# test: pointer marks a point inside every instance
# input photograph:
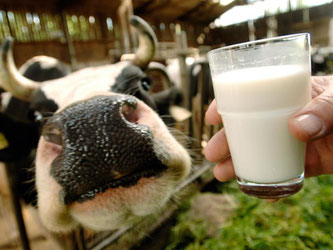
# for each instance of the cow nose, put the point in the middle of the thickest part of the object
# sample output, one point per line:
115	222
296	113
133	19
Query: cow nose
103	147
52	130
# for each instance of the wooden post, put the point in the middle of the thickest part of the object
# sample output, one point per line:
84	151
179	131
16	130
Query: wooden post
330	33
70	45
13	182
123	21
104	31
272	26
28	25
252	30
181	42
182	48
130	12
11	33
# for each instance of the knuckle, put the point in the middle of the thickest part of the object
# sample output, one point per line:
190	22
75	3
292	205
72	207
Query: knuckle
325	99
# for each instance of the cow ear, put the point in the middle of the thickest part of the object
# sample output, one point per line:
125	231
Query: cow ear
42	104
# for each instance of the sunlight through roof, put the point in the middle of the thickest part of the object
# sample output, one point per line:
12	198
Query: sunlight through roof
260	8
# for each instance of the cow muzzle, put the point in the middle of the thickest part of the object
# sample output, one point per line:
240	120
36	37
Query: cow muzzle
101	146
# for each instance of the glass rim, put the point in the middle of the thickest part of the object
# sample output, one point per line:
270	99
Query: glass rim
245	45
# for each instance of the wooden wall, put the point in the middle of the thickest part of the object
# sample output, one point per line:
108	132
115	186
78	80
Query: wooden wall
25	50
106	45
314	20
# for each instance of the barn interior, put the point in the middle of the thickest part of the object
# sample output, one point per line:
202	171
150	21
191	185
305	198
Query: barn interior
88	33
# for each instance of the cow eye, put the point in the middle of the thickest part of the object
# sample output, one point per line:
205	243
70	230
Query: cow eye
53	135
146	83
41	117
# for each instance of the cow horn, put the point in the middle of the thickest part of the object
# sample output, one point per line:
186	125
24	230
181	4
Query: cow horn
147	42
10	79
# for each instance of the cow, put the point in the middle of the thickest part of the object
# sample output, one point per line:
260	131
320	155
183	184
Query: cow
39	69
104	157
322	60
42	68
200	94
166	95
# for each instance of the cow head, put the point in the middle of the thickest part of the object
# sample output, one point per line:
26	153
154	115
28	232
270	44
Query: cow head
104	157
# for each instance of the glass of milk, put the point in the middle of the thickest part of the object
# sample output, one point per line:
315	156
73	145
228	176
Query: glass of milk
258	85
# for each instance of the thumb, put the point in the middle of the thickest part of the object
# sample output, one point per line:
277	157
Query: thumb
315	120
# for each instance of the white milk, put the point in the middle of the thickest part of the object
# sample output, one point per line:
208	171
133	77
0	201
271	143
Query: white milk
255	104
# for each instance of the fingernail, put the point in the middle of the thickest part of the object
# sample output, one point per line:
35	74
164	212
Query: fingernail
311	124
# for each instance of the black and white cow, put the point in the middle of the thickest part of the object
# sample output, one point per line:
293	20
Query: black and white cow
322	60
43	68
38	68
18	114
104	157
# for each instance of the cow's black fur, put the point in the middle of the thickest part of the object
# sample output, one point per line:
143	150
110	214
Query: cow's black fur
43	105
21	137
22	131
35	70
133	81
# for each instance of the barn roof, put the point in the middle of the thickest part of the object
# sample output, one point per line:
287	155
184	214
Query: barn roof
193	11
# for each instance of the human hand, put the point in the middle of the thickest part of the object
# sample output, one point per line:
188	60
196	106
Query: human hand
312	124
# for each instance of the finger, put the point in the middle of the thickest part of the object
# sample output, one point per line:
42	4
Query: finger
319	157
217	147
319	84
212	117
224	171
315	120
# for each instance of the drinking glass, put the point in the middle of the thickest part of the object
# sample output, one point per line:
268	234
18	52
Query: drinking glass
258	85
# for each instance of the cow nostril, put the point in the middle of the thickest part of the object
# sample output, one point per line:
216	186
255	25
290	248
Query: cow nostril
53	135
130	113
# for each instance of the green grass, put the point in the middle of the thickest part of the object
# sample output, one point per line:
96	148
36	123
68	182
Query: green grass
302	221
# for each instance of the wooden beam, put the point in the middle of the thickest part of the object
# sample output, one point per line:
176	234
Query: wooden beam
124	26
9	26
130	12
181	42
70	45
161	5
190	12
139	10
